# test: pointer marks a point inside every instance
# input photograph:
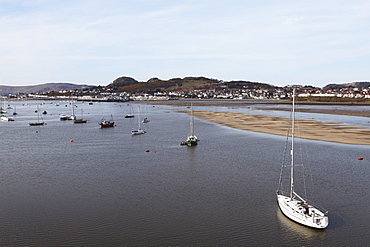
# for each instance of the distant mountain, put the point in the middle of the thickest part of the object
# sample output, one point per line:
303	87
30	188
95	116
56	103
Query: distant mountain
47	87
129	84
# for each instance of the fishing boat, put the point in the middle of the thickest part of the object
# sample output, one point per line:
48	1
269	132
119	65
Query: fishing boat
192	138
38	123
81	120
138	131
106	123
292	205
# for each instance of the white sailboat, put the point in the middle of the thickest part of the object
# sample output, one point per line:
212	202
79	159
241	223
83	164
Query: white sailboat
73	116
138	131
294	206
192	138
3	116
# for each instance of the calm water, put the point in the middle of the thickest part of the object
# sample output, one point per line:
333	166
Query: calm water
105	189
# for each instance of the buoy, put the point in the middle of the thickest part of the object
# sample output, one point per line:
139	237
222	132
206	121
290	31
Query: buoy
147	150
37	131
360	158
71	141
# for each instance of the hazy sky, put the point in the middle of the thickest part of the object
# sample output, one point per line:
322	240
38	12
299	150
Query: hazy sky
93	42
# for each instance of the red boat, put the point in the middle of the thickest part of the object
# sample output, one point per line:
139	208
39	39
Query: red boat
107	123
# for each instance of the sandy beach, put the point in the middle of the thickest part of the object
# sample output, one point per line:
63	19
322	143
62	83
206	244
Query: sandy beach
307	129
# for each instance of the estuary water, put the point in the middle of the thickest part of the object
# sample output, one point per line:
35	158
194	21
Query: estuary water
79	185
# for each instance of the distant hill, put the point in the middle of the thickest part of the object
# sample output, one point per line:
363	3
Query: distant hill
349	84
47	87
129	84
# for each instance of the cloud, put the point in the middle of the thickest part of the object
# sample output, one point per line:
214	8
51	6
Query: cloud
96	41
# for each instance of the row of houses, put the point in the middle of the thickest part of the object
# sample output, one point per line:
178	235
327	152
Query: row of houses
238	94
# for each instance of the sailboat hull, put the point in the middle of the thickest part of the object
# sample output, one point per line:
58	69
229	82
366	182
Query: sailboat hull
137	132
106	124
302	213
191	143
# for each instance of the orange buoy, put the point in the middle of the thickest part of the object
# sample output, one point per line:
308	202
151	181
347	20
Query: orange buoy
71	141
360	158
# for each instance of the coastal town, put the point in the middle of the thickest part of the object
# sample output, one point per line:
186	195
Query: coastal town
359	90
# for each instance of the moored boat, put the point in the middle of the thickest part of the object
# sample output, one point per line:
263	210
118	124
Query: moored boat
292	205
38	123
5	118
81	120
192	139
138	131
106	123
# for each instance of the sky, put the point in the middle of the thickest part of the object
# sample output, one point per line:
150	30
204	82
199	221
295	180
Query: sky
285	42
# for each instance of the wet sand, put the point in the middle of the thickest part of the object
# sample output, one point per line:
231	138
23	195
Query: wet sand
307	129
238	103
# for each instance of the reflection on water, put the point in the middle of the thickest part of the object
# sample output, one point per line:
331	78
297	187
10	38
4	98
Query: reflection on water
302	234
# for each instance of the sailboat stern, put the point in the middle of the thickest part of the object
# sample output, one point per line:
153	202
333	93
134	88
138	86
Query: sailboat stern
302	213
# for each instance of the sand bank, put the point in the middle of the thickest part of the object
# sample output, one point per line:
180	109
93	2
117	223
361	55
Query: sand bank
308	129
239	103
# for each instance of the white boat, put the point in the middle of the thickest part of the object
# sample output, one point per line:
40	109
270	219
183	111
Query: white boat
138	131
5	118
192	138
292	205
73	116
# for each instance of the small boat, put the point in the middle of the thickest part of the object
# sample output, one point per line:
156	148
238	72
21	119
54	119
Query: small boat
64	117
107	123
38	123
4	118
81	120
138	131
130	115
192	138
44	112
292	205
15	112
145	120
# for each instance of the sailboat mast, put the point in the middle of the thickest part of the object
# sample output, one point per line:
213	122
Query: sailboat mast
192	121
138	117
292	150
